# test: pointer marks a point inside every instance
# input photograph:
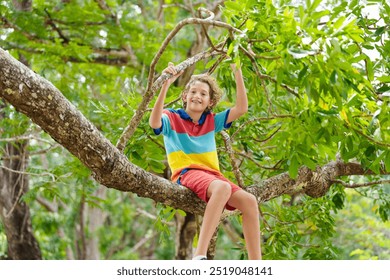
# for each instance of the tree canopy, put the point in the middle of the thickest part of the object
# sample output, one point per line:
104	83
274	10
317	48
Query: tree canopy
77	81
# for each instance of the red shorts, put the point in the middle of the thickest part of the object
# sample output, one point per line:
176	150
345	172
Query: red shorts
198	181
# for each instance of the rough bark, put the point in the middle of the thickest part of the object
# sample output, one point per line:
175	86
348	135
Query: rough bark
47	107
15	213
94	221
186	228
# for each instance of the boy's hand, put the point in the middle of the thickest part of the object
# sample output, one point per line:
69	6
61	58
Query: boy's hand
171	69
234	67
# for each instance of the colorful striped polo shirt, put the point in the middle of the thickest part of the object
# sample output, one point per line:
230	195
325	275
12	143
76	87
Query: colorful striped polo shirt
190	145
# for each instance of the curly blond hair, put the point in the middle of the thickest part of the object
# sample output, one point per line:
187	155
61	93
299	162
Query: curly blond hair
215	90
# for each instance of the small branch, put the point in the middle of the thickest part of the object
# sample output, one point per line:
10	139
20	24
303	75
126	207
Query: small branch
40	152
104	6
35	38
99	56
65	40
263	76
216	64
142	242
172	34
51	207
367	137
259	74
211	16
259	119
85	23
250	50
358	185
242	154
167	105
28	173
25	137
230	151
155	142
153	217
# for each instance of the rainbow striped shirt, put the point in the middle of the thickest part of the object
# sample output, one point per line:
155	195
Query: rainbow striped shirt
190	145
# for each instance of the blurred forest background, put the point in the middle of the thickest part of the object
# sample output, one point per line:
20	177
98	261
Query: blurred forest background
317	74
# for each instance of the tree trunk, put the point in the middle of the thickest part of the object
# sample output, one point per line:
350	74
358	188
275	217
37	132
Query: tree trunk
186	228
14	213
94	218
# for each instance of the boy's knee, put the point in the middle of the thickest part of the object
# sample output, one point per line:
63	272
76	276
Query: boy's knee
252	199
250	203
221	189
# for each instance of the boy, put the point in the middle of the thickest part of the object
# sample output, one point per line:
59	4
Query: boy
192	155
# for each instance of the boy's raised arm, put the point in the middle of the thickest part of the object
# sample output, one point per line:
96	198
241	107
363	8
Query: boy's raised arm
241	106
155	116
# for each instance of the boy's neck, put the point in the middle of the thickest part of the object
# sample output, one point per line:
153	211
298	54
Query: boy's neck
195	116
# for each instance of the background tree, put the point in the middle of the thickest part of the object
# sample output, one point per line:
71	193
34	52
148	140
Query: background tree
318	116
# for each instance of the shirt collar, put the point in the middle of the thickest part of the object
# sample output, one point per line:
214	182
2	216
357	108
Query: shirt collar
183	114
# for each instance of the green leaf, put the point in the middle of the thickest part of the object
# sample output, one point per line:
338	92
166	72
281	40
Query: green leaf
339	22
380	30
315	4
356	252
333	77
357	38
293	167
307	161
384	212
302	72
233	6
384	79
369	69
250	24
338	200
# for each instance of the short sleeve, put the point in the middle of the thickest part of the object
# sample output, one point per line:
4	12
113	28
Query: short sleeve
221	119
165	125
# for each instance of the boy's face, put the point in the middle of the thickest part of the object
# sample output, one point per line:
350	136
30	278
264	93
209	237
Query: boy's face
198	97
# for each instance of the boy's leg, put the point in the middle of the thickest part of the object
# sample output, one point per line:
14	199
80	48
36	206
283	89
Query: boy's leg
218	193
247	204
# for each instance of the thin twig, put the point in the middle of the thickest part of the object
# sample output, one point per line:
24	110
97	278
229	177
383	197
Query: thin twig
65	40
29	173
259	119
358	185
